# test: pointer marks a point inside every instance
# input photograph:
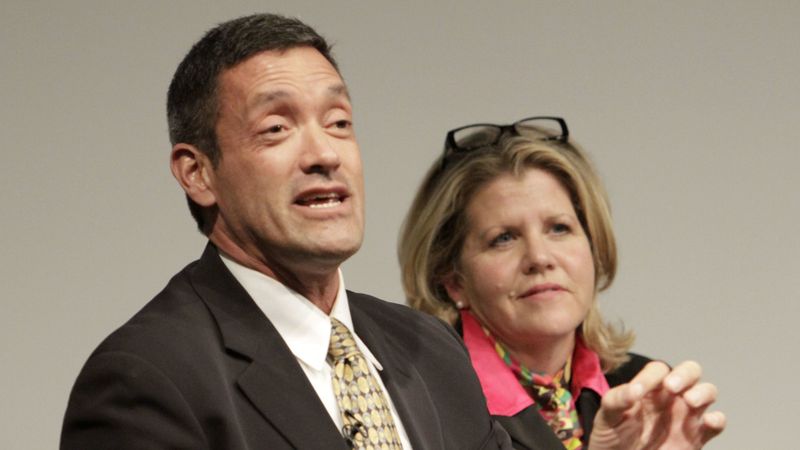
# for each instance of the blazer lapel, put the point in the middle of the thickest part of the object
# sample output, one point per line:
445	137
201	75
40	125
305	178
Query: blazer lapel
406	387
274	381
528	430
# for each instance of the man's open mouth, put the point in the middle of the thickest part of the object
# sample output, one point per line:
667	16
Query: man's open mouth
328	200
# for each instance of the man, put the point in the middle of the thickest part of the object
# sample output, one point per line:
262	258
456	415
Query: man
232	354
258	344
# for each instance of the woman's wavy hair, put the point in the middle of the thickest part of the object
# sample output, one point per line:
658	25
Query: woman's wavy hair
434	230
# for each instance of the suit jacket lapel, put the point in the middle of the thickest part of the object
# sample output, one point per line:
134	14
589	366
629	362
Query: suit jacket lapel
274	381
407	389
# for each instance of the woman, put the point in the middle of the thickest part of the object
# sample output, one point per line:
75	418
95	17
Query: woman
509	238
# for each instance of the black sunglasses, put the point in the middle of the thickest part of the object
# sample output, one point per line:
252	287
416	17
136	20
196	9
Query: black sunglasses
471	137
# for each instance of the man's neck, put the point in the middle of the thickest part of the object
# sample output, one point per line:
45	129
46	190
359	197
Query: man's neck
319	286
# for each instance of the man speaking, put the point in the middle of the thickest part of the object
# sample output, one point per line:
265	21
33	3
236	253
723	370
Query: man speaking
257	345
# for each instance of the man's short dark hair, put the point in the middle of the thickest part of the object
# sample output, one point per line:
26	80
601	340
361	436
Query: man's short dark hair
192	97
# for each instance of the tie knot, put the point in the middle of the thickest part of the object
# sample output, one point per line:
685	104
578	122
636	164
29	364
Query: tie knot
342	344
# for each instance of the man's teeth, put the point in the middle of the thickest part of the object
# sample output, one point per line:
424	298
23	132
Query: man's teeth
322	201
326	204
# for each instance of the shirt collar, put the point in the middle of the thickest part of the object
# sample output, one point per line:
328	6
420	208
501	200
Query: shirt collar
504	395
304	327
586	371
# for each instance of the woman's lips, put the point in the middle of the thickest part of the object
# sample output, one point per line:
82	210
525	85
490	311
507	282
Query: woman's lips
543	290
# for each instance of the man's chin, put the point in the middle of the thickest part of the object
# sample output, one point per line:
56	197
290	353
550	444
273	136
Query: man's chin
325	251
336	252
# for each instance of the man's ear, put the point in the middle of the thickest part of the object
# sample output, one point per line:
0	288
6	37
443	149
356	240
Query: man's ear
455	289
193	170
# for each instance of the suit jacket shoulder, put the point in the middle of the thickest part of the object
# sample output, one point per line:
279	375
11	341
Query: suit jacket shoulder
201	367
627	371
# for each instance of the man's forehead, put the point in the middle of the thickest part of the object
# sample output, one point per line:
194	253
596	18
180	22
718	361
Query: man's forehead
301	59
277	94
295	65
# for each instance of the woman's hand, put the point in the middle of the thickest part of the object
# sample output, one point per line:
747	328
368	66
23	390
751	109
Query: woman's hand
658	409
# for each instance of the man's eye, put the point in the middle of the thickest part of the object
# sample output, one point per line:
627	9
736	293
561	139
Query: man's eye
275	129
342	124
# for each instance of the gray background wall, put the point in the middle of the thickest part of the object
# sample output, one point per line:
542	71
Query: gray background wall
690	109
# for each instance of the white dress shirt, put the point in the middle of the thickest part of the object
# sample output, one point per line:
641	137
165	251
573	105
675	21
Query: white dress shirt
307	332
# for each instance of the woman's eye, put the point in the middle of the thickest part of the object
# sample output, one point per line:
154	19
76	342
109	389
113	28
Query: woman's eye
275	129
501	239
561	228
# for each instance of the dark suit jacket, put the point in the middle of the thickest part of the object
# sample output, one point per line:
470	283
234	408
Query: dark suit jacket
201	367
526	428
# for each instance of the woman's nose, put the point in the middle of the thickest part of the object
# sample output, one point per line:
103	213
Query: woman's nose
538	255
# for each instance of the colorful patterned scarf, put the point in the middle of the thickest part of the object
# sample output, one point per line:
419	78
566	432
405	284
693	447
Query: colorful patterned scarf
553	399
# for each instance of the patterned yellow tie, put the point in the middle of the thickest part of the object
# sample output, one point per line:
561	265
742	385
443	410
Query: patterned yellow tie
368	423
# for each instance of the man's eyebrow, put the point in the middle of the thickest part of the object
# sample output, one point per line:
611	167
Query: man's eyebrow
268	97
338	90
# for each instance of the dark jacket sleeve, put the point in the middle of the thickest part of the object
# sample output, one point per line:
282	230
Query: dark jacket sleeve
498	437
121	401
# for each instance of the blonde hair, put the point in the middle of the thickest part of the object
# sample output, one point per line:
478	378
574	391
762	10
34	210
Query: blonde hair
434	230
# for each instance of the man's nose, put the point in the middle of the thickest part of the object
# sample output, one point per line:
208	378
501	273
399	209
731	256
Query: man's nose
319	152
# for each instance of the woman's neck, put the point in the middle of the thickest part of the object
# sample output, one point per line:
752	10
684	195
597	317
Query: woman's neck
546	356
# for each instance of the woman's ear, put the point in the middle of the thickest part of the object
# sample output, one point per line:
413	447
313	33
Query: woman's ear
193	170
455	289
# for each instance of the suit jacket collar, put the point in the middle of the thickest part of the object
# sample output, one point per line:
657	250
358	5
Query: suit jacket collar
274	381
